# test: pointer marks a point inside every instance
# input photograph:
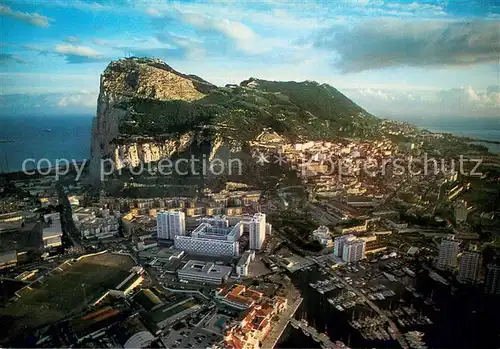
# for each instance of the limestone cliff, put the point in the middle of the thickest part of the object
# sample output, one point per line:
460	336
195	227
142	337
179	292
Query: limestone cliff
147	111
138	78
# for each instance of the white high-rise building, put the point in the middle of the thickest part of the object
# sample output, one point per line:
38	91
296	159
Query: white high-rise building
448	252
170	224
470	266
257	227
353	250
338	244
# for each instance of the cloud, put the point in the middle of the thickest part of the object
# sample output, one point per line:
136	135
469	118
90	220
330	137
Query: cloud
455	102
239	34
33	19
71	52
390	42
78	54
79	100
82	103
69	49
8	58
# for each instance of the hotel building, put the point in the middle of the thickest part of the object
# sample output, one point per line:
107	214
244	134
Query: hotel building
170	224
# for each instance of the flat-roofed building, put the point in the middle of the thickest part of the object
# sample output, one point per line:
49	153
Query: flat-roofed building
205	246
8	259
52	235
338	244
257	231
170	224
242	266
448	254
204	272
470	266
169	313
218	240
95	323
353	250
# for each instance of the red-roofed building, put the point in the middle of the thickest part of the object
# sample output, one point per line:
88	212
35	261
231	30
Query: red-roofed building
255	324
238	296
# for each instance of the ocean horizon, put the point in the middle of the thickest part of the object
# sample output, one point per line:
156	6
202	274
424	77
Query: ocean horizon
68	137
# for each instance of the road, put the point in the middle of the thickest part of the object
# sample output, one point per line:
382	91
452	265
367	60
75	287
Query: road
67	223
284	318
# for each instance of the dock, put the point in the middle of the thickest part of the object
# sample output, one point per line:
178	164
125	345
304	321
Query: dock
322	338
277	330
397	333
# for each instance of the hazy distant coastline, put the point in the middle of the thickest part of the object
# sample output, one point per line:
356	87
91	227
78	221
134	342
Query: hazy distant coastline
70	136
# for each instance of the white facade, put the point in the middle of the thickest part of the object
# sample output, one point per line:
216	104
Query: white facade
244	263
448	252
353	250
207	246
216	221
322	235
204	272
207	231
338	245
257	227
470	265
52	235
170	224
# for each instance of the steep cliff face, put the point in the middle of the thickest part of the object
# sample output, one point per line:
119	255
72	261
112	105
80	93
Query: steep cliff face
128	79
147	111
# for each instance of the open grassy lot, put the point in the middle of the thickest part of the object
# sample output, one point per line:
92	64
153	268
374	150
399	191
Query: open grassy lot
65	291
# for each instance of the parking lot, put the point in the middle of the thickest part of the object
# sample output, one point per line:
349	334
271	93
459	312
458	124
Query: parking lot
180	336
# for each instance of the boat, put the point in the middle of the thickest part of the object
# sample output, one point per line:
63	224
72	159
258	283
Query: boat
47	130
391	332
6	141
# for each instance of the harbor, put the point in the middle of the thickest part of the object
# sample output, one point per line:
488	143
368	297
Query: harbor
362	306
322	338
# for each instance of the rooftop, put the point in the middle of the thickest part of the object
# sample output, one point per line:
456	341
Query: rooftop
206	268
240	294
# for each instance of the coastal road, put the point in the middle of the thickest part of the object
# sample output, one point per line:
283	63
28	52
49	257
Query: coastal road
277	329
67	217
399	336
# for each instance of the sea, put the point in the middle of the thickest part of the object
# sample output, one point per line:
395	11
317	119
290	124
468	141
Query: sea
43	137
68	137
464	320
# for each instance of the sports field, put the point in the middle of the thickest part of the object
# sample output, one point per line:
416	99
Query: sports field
64	292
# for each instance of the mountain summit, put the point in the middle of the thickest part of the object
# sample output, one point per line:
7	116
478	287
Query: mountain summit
147	111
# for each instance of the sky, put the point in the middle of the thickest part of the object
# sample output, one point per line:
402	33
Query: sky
397	59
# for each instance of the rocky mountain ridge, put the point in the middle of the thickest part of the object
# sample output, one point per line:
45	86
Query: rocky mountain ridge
147	111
